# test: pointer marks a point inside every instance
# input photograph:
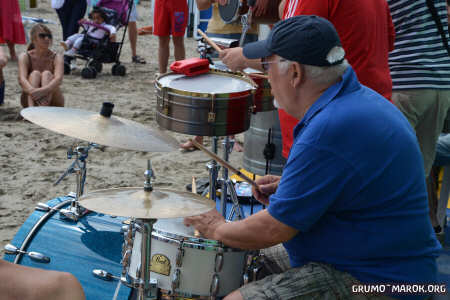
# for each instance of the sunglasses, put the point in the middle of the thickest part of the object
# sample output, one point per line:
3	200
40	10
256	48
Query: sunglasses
265	64
44	35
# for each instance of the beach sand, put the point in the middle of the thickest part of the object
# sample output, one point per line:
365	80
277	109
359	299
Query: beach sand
32	158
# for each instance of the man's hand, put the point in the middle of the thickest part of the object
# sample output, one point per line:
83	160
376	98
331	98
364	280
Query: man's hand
206	223
233	58
267	186
260	7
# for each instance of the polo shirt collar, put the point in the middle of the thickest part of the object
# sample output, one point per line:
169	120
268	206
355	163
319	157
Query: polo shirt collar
348	84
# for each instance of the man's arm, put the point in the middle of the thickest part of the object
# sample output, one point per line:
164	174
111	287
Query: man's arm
257	231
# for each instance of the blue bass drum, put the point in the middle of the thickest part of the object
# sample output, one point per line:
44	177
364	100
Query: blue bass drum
94	242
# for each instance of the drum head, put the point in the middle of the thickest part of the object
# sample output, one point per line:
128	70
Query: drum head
174	228
209	83
229	12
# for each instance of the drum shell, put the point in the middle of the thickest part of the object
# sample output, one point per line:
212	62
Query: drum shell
256	139
198	260
263	100
95	242
189	113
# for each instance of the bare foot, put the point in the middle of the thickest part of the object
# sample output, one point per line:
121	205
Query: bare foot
189	146
238	147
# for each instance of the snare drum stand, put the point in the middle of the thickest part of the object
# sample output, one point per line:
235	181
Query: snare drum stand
225	182
78	167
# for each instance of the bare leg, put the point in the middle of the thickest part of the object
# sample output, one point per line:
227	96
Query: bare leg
132	36
46	78
35	80
163	53
178	45
12	51
235	295
25	283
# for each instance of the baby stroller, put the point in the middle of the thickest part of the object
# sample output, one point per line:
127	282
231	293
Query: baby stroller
96	52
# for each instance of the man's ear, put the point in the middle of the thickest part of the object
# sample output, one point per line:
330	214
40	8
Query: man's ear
296	74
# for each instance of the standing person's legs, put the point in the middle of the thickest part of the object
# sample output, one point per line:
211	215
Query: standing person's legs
178	47
426	110
78	11
2	88
163	53
12	50
133	35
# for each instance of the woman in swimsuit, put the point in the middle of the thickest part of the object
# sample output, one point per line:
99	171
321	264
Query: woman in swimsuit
41	71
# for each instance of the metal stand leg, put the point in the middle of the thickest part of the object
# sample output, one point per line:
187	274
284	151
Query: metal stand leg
145	290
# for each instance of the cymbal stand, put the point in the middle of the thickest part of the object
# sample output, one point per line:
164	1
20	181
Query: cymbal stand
78	166
227	184
213	169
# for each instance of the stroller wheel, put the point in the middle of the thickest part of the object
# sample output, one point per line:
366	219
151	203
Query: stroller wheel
66	68
88	73
118	70
98	66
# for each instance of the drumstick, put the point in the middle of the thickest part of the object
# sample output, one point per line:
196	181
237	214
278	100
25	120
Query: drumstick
225	164
217	48
257	75
211	42
194	190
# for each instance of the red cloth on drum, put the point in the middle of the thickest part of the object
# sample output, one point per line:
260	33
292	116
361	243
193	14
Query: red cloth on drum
11	27
367	35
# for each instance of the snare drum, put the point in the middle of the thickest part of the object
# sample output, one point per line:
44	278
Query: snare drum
186	265
211	104
234	9
94	242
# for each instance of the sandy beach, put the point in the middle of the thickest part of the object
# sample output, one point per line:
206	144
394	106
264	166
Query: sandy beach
32	158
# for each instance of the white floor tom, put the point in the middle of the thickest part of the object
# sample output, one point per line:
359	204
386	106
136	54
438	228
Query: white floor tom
186	265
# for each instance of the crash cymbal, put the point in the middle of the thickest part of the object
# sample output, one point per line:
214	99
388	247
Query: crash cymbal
93	127
135	202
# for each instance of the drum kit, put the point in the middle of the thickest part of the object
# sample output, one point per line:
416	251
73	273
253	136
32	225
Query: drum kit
133	238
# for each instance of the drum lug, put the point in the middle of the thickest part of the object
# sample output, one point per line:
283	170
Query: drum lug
36	256
211	113
104	275
214	288
165	104
176	279
180	254
218	261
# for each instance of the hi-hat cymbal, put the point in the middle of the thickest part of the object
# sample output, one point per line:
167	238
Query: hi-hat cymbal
93	127
135	202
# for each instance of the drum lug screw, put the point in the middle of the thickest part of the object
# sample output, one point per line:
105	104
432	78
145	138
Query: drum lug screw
36	256
104	275
176	279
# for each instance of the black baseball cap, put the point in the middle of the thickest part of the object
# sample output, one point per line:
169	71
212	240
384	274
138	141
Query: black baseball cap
304	39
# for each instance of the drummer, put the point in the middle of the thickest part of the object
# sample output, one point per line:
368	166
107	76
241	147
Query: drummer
343	209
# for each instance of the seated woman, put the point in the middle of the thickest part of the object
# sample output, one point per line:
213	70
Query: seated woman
41	71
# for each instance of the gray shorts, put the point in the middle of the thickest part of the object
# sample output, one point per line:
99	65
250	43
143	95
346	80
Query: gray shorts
426	110
310	282
133	13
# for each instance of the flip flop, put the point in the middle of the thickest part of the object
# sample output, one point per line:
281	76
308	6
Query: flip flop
138	60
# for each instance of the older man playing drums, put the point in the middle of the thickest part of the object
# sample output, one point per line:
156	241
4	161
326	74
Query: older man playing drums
351	206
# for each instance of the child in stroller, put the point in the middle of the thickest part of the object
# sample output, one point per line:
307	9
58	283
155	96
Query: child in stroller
97	43
73	42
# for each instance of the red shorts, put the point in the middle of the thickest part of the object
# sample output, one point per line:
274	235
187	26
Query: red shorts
170	17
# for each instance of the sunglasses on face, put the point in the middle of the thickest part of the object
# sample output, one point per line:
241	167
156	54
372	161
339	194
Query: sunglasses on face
44	35
265	64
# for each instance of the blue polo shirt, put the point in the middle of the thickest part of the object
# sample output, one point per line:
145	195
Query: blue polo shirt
354	187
